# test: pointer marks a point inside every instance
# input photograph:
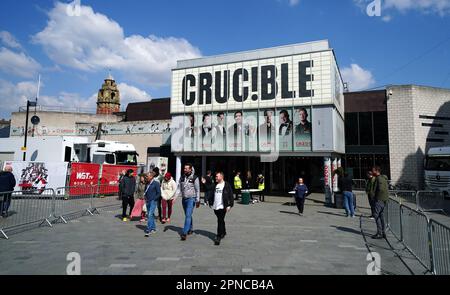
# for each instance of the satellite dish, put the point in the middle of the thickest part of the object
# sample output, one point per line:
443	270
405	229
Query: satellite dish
35	120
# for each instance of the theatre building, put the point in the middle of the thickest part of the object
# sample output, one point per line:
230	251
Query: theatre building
276	111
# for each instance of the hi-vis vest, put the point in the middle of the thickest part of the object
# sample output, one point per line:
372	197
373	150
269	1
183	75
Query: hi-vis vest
237	182
261	184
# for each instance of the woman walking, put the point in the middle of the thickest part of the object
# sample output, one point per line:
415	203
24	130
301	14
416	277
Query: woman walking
301	190
168	189
138	211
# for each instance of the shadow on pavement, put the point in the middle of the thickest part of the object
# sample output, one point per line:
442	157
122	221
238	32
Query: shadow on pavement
176	229
330	213
346	229
287	212
207	234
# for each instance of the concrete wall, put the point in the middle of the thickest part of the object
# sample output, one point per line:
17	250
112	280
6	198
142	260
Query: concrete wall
409	107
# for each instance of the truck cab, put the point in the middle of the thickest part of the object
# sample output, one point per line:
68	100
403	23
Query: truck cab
106	152
437	170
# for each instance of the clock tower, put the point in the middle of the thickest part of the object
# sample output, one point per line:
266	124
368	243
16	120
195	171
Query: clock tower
108	99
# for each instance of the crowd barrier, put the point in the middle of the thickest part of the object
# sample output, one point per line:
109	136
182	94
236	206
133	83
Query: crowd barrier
359	184
49	206
427	239
26	207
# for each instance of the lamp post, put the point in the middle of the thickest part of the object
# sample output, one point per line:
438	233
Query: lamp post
29	104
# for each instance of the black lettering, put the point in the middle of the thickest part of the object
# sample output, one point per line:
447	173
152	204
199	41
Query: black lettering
255	83
205	88
226	86
191	79
285	93
236	85
268	78
303	78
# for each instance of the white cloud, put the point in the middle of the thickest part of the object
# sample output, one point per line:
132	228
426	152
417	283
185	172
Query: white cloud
18	64
93	42
440	7
8	40
131	94
357	77
293	2
13	96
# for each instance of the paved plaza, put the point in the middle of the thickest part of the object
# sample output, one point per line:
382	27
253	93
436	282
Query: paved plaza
263	239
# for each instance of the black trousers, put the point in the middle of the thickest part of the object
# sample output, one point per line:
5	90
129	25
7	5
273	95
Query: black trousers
127	200
379	216
261	196
237	192
300	204
221	231
372	202
159	209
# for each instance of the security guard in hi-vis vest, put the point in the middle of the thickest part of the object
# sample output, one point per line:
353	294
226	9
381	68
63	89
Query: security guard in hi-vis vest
237	185
261	187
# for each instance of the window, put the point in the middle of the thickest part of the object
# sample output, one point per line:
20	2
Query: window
351	129
124	158
380	128
365	129
110	159
438	163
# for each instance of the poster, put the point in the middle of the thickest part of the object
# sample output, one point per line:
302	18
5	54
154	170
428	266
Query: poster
219	136
83	175
38	175
250	131
160	162
235	130
266	130
205	132
285	129
190	133
109	181
303	129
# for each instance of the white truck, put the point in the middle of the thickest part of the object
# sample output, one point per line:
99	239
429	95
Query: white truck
437	170
68	149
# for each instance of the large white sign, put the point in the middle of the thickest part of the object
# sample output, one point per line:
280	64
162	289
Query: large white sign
296	80
38	175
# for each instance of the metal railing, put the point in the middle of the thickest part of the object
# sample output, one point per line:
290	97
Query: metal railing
424	201
26	207
440	243
359	184
427	239
52	205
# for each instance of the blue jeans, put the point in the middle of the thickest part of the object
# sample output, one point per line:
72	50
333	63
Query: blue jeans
348	203
151	206
188	207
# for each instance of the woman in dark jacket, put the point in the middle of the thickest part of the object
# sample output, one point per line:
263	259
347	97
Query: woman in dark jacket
221	202
128	184
301	191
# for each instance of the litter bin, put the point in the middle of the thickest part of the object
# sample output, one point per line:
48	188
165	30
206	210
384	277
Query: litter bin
245	198
339	200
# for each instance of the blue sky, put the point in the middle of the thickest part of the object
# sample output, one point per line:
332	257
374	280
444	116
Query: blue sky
140	41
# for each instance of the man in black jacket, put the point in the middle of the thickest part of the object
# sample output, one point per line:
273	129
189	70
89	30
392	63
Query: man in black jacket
221	202
209	186
128	184
7	184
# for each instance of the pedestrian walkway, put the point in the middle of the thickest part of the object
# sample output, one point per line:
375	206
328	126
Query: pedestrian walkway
263	239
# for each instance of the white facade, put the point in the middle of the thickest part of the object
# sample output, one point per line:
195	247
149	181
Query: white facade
418	119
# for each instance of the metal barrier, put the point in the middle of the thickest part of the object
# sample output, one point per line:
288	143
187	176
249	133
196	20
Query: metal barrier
105	196
430	201
394	219
416	235
73	200
26	207
408	197
440	242
359	184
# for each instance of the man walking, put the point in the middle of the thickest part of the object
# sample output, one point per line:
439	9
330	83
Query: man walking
346	188
370	186
128	184
7	184
221	202
152	195
158	178
209	186
381	191
301	190
237	185
189	187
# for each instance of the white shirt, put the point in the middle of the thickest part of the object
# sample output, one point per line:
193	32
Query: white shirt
218	201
